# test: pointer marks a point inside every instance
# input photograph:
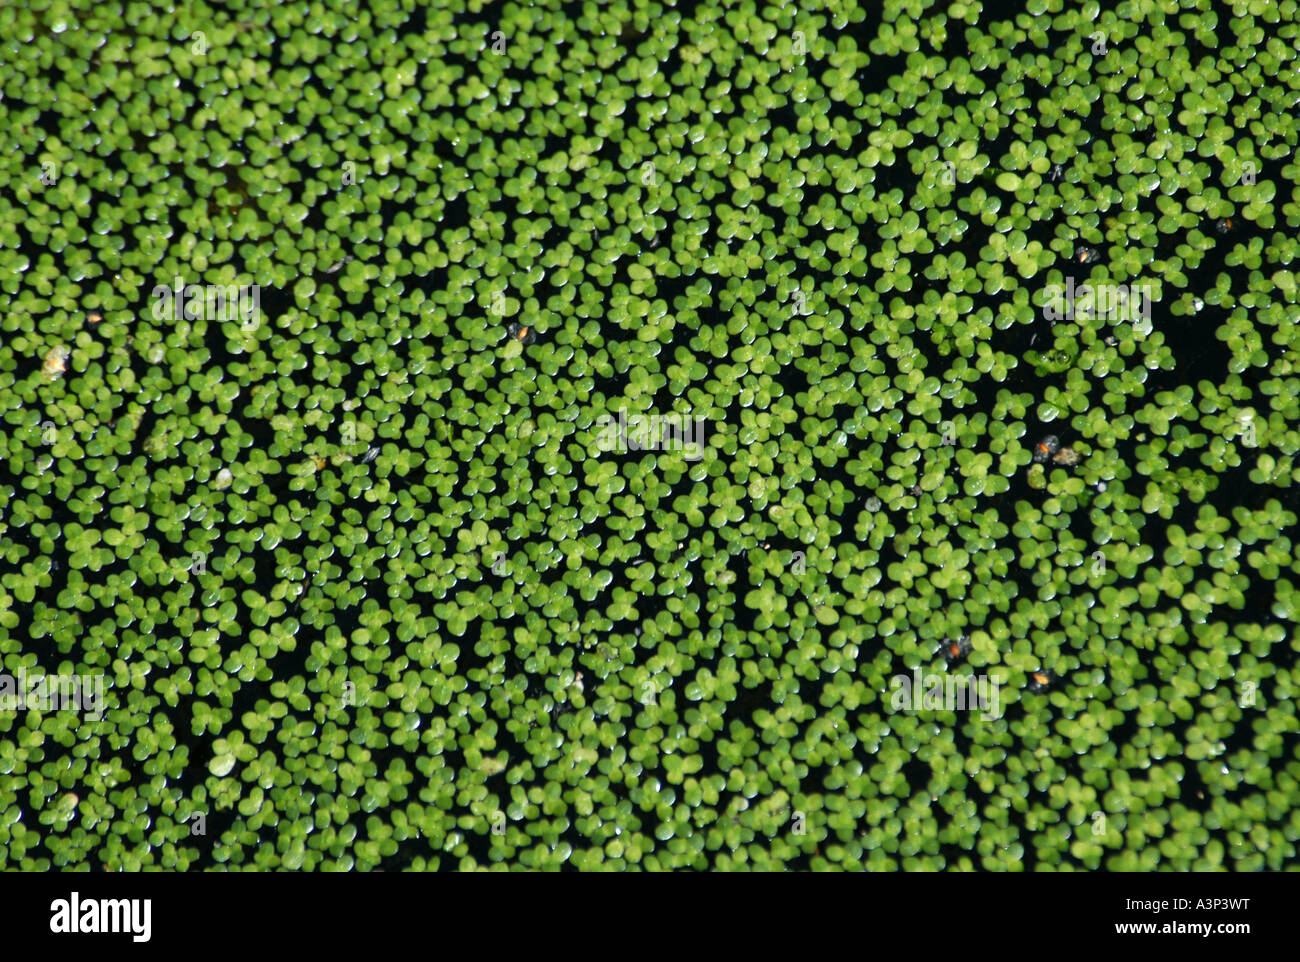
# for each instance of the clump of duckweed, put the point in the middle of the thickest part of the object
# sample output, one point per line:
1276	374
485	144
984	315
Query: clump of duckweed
367	588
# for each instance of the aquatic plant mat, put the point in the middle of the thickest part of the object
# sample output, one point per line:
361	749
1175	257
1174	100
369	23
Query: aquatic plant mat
649	436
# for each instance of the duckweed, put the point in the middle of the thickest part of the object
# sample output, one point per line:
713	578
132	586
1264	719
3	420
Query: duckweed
365	589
